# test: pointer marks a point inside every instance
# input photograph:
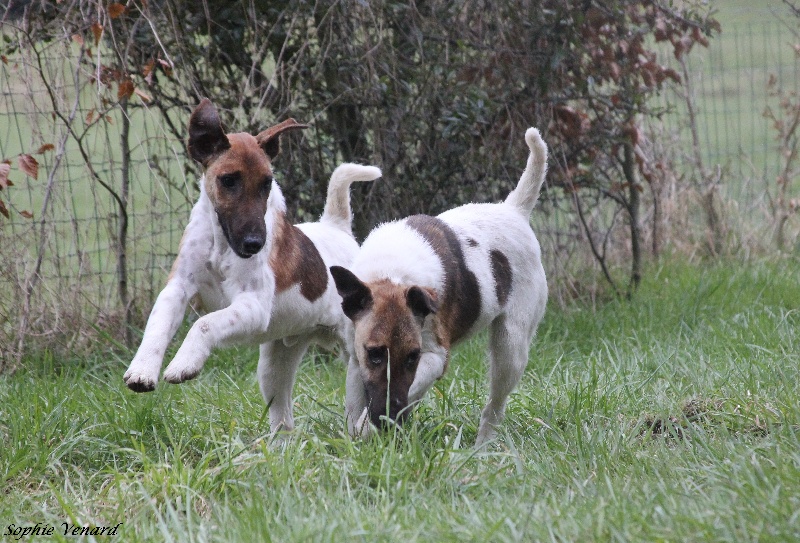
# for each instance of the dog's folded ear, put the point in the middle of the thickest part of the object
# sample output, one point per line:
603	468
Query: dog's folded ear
269	139
206	135
356	296
422	302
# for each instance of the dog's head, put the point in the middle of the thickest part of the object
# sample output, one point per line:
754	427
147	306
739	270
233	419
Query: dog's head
238	174
387	319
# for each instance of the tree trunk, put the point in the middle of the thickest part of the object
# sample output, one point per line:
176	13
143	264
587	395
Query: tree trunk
345	116
634	214
122	233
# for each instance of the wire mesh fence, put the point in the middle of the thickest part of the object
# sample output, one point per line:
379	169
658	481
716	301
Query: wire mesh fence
60	270
60	244
730	89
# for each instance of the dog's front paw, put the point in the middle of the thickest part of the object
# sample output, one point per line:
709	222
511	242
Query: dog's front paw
486	433
140	381
179	373
186	365
363	427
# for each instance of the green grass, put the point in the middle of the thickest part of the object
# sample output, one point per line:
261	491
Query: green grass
674	417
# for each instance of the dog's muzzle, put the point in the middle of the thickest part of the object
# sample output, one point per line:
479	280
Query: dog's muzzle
397	413
251	245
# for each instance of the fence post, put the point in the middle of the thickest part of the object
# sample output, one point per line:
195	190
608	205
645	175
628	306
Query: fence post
122	232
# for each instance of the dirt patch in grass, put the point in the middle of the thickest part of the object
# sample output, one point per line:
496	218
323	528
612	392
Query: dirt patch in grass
706	413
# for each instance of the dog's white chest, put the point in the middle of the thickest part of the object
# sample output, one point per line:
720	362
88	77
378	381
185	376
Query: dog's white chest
221	279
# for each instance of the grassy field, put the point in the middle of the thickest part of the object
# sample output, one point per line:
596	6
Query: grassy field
674	417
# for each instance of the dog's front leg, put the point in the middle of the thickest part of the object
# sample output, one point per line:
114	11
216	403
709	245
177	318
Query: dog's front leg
166	316
246	317
430	368
355	411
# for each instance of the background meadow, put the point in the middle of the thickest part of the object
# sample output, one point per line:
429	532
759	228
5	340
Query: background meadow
671	417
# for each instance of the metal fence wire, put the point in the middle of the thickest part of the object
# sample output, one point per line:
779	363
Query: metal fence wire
59	271
729	87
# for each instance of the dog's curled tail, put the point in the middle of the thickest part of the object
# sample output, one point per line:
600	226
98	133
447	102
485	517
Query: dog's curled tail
337	211
525	195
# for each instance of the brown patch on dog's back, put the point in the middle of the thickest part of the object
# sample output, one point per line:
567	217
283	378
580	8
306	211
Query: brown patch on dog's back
501	271
461	300
295	260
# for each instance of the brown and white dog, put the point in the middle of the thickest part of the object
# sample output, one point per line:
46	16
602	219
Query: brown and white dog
420	285
261	279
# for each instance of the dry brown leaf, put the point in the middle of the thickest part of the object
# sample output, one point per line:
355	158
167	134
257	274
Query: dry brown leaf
26	214
44	148
3	209
148	68
29	165
115	10
97	30
5	169
125	89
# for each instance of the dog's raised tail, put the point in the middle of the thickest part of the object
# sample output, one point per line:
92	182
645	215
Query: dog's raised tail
337	211
527	192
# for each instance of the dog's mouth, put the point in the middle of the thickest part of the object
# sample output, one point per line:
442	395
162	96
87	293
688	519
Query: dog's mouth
244	246
244	256
384	417
383	421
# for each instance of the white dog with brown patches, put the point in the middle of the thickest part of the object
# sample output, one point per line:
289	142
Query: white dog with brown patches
261	279
421	285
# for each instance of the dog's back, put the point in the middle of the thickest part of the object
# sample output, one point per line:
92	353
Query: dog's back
479	257
502	251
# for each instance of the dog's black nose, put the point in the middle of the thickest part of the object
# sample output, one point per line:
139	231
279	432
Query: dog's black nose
252	244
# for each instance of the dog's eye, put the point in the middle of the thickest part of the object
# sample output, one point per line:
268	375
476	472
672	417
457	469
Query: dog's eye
229	180
377	355
412	360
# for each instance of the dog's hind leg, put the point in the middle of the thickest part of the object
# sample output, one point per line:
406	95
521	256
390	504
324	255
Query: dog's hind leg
277	369
508	356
